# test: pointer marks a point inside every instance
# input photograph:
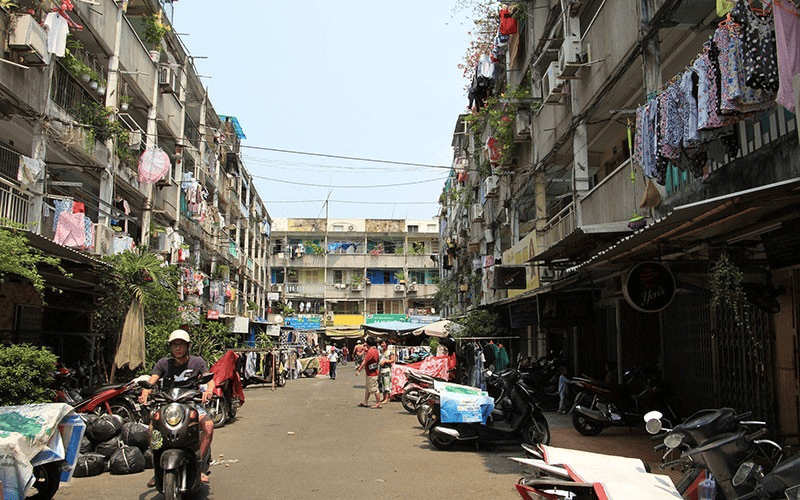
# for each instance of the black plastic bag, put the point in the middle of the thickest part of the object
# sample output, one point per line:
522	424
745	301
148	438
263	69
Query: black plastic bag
86	446
135	434
90	464
126	460
107	448
104	428
148	458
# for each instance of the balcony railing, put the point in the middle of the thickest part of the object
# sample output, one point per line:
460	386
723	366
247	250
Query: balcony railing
558	227
13	202
67	91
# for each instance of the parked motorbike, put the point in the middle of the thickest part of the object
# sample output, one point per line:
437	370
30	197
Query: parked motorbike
309	366
175	438
542	376
413	393
720	446
515	418
228	393
114	399
599	405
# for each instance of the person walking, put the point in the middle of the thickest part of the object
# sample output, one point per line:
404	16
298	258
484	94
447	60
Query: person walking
386	361
333	358
370	367
358	353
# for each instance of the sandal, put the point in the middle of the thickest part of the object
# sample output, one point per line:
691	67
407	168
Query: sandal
363	405
377	407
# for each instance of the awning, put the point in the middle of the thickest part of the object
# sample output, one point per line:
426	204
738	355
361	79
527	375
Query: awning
582	243
387	327
736	217
339	333
441	328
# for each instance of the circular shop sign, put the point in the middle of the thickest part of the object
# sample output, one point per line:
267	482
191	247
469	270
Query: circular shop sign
649	287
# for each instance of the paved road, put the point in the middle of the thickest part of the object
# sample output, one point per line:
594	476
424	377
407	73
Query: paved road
310	439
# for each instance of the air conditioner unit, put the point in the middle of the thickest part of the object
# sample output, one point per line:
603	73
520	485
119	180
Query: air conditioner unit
569	58
103	240
399	288
351	227
412	287
276	287
167	79
490	185
29	40
329	317
551	85
547	274
477	213
135	139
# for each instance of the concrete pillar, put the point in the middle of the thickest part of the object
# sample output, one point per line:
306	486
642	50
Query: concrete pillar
152	141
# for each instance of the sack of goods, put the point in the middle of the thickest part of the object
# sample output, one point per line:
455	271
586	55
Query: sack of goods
89	464
104	428
135	434
126	460
107	448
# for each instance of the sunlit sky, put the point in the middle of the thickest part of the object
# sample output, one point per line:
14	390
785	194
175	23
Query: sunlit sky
367	80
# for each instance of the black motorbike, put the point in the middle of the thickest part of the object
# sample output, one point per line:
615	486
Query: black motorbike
516	418
742	464
413	391
599	405
175	438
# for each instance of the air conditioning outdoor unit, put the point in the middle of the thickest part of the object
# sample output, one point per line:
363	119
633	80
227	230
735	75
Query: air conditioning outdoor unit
490	185
29	40
412	287
551	85
167	79
398	288
135	139
477	213
277	287
569	58
103	239
522	126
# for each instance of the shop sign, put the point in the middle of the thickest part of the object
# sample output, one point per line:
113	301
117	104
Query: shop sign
649	287
508	277
212	314
303	322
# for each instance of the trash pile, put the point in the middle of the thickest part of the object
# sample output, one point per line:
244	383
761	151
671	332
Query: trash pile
112	445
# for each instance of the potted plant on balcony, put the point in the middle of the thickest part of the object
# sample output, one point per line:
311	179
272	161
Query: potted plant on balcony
356	282
125	102
154	32
400	276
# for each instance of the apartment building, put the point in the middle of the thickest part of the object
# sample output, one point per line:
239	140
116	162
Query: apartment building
557	219
347	272
119	128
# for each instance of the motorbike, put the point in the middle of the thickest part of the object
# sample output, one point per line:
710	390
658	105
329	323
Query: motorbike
228	394
114	399
175	437
542	375
413	394
599	405
309	366
727	452
36	442
515	416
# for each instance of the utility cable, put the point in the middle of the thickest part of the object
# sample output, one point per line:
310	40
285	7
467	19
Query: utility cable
352	158
348	187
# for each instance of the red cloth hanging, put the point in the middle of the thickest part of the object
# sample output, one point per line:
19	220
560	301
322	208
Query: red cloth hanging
225	369
508	25
78	208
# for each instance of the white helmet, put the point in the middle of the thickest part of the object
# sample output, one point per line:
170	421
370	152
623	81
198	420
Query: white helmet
179	335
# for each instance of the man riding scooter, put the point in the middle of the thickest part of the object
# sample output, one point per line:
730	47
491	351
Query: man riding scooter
178	367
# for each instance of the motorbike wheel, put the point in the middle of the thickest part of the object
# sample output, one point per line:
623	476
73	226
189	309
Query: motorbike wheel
409	400
217	411
310	372
124	410
424	412
441	441
46	481
537	431
586	426
171	487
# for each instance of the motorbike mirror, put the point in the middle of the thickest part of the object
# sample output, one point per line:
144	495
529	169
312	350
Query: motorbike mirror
652	421
743	474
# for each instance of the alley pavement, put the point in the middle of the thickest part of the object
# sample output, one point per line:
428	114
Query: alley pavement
311	439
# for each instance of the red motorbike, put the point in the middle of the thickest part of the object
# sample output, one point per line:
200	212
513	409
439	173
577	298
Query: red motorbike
114	399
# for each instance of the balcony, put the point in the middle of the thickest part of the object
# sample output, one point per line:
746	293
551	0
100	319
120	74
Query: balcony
14	203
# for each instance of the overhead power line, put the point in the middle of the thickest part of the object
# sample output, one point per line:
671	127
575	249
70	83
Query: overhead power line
352	158
352	202
438	179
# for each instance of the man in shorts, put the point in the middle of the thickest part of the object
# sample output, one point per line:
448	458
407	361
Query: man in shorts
370	367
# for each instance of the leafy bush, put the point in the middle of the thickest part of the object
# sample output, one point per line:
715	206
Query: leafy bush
26	372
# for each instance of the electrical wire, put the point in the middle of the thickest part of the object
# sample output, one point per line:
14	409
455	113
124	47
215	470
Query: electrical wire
439	179
339	157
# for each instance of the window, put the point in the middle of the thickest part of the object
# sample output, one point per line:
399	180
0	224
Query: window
413	229
338	276
337	228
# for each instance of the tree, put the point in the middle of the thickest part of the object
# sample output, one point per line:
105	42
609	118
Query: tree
18	257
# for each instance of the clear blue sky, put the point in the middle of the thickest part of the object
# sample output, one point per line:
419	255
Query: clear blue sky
375	80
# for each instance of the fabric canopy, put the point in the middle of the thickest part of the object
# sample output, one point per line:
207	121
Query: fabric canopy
441	328
338	333
396	327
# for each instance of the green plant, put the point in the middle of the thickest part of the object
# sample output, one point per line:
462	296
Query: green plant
313	248
726	286
125	99
222	271
154	31
26	372
400	276
479	323
433	343
356	279
18	257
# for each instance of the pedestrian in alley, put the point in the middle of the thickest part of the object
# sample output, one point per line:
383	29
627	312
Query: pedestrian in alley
370	367
386	362
358	354
563	390
333	358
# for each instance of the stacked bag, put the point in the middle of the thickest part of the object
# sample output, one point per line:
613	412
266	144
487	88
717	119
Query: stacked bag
110	444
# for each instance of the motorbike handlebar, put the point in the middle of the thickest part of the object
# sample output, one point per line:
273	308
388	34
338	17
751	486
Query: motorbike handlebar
757	434
659	447
744	415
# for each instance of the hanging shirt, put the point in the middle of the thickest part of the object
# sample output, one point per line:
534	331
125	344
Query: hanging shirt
760	53
508	25
787	37
57	31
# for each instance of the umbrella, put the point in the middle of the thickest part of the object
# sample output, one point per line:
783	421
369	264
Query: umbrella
131	345
441	328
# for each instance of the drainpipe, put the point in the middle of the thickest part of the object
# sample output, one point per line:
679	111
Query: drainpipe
152	135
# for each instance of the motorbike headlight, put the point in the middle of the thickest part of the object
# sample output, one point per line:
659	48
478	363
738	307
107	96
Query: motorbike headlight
673	440
173	414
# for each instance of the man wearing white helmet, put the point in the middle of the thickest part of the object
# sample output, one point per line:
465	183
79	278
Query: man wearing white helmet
178	367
